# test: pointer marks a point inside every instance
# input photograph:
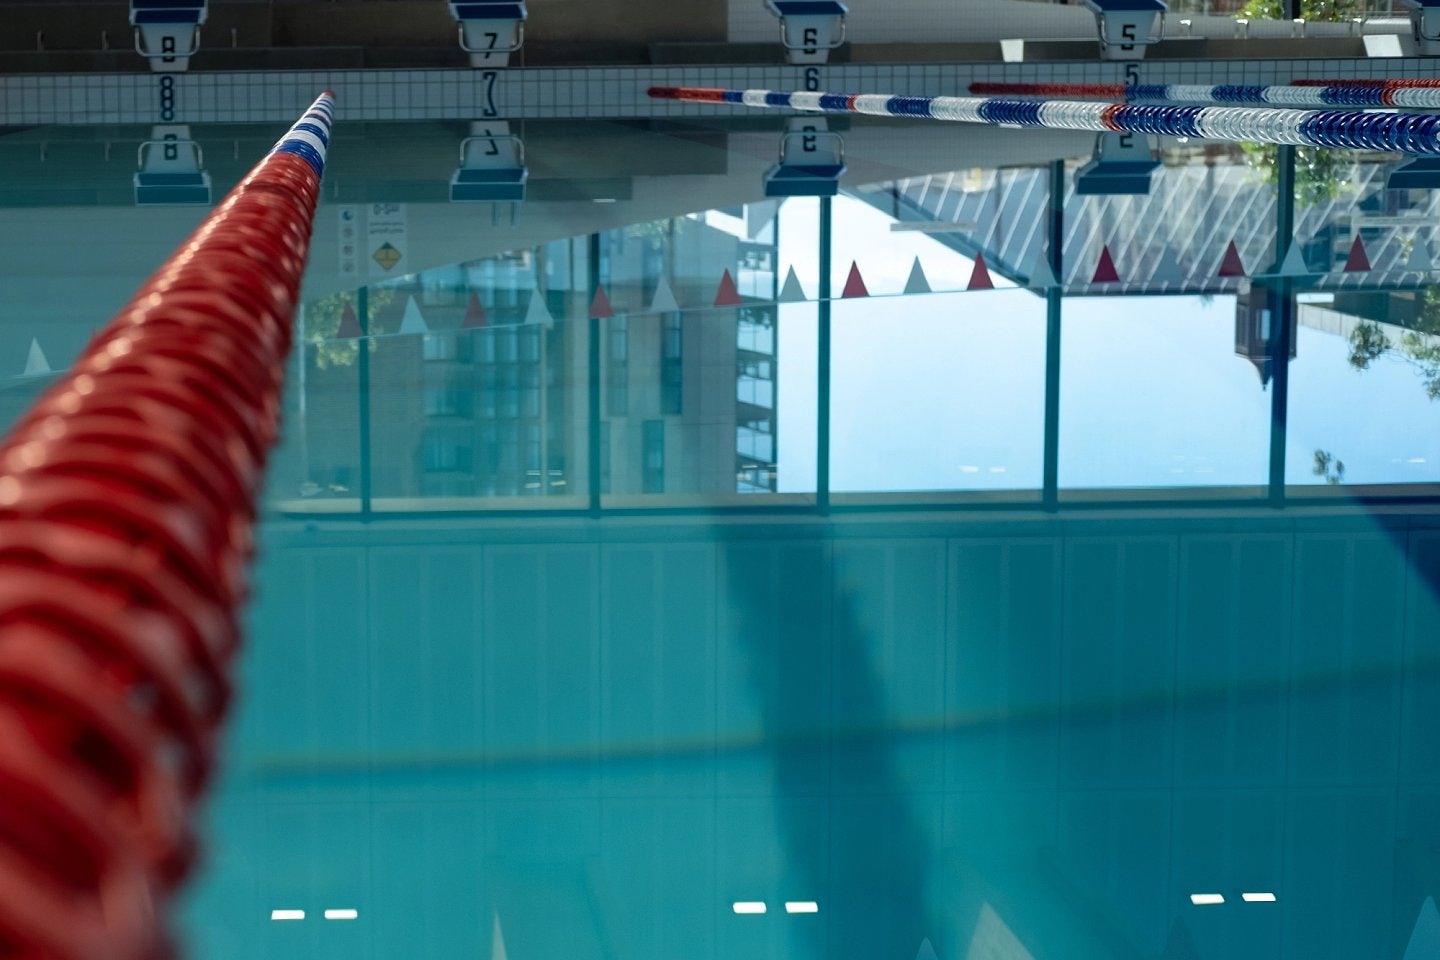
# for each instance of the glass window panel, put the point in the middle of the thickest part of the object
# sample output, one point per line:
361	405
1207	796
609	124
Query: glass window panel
939	392
1365	389
1162	392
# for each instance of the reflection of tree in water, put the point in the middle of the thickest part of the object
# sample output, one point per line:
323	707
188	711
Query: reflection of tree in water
1327	466
1419	345
322	322
1325	11
1320	174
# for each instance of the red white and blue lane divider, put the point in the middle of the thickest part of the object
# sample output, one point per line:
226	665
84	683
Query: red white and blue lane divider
1385	93
1383	131
127	500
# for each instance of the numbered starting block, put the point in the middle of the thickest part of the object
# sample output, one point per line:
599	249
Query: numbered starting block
1416	173
490	31
1127	27
167	32
812	161
809	29
1120	165
170	169
492	169
1425	25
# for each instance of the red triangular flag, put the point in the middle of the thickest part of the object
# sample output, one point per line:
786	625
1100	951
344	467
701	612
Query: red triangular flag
855	284
727	295
979	276
349	323
600	306
1359	260
475	314
1231	266
1105	269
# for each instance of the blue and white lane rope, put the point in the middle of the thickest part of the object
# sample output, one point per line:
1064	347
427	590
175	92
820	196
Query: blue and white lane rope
309	138
1352	129
1394	93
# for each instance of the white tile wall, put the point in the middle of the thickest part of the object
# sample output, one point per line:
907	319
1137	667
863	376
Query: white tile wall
558	93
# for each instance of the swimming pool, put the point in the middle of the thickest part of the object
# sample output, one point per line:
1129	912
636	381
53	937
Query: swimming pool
944	563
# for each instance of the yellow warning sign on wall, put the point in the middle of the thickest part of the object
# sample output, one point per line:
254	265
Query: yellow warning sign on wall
385	229
387	256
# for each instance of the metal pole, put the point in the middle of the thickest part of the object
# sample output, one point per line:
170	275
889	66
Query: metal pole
822	409
362	310
1281	329
1054	302
592	273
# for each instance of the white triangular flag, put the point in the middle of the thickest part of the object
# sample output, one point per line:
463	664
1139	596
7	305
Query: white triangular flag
35	363
412	322
664	299
537	313
926	951
1041	276
1425	938
1419	260
792	292
497	940
918	283
1294	263
1167	270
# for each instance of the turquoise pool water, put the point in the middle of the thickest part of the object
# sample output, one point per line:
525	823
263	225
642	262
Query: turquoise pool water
953	565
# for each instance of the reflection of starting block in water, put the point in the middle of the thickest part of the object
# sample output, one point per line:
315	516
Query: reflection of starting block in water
1425	25
1120	165
1416	173
1127	27
490	31
492	167
809	29
812	160
170	169
167	32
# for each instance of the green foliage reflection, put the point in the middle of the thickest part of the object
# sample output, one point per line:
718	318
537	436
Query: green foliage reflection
322	322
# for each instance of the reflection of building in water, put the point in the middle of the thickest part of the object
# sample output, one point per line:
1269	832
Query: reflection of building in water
688	398
464	400
1174	237
478	389
1257	308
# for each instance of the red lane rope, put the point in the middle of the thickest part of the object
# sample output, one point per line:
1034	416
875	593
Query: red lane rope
127	495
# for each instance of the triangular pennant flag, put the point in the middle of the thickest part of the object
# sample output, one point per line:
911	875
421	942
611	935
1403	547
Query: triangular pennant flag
792	292
537	312
1167	269
1179	945
760	215
664	299
1105	269
1231	265
1425	938
600	306
475	314
1294	263
35	363
497	940
854	284
349	325
918	283
727	295
1358	261
1041	277
926	951
412	322
1419	260
979	276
